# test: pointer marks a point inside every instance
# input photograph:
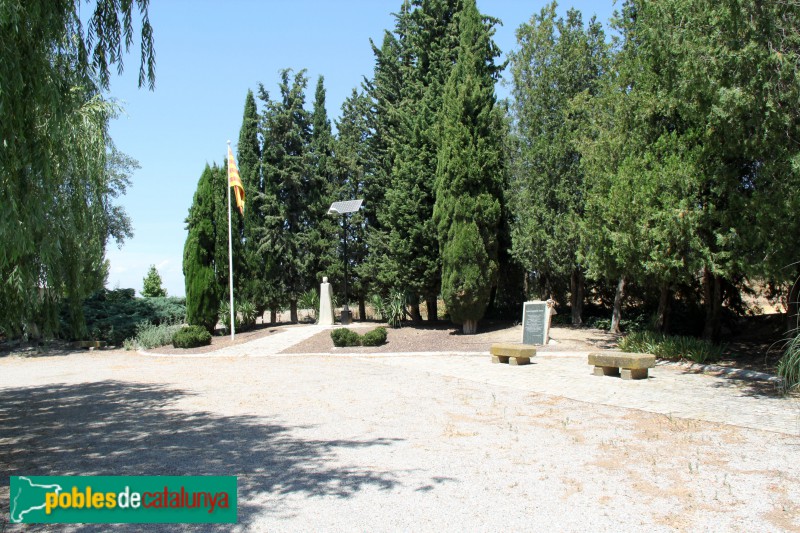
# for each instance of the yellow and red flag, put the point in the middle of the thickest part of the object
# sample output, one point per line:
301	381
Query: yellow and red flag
235	181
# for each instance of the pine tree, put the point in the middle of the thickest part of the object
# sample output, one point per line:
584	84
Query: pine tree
202	293
152	284
469	174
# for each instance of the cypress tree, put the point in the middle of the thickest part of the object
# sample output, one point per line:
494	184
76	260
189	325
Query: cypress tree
469	174
558	59
202	294
285	169
353	166
320	192
249	159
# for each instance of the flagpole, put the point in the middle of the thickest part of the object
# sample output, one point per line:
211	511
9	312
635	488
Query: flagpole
230	251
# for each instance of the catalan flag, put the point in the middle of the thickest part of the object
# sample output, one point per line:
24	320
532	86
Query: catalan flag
235	181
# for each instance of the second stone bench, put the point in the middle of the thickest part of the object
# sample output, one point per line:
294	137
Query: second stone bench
513	354
627	365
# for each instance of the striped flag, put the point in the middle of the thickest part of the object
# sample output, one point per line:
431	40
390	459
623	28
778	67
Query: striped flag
235	181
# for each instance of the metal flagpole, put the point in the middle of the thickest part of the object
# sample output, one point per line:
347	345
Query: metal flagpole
230	248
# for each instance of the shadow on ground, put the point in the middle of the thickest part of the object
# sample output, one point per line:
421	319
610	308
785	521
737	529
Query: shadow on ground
119	428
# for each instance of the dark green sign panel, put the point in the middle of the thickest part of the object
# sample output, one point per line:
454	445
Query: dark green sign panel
534	322
122	499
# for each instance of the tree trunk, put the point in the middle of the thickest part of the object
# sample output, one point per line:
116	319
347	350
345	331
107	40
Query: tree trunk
792	307
664	301
293	311
415	316
273	316
576	283
616	315
433	309
712	292
469	327
362	309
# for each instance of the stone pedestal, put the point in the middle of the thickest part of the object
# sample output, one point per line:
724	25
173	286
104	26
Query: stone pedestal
325	303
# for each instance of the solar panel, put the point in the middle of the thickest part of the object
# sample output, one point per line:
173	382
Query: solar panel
349	206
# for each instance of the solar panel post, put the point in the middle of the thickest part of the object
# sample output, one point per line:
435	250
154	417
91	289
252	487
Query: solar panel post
345	208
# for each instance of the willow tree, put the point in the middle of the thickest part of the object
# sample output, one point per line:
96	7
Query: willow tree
55	189
469	175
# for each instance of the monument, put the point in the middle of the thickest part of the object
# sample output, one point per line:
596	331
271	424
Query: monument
325	303
536	321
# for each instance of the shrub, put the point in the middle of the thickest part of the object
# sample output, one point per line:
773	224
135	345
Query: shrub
149	335
114	316
191	337
345	337
376	337
789	364
670	347
247	314
378	306
309	301
394	309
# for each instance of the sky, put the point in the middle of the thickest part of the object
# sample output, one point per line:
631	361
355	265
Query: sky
208	54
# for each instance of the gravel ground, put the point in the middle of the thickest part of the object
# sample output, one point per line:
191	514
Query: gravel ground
447	338
343	444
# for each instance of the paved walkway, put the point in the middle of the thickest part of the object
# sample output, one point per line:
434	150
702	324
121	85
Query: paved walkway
672	390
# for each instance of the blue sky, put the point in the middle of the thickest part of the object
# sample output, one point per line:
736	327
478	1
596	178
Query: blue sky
208	55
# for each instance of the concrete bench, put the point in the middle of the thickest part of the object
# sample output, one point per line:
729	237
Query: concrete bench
628	365
513	354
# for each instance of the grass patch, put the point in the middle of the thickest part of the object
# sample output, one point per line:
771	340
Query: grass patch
671	347
789	364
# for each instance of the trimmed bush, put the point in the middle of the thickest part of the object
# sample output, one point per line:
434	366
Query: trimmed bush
191	337
345	337
376	337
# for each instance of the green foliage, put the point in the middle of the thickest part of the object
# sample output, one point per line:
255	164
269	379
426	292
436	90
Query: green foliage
151	285
789	364
378	306
247	314
58	163
469	175
113	316
637	322
309	301
343	337
149	335
287	234
376	337
191	337
394	309
202	292
558	59
671	347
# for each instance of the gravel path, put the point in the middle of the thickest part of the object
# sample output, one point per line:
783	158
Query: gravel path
385	442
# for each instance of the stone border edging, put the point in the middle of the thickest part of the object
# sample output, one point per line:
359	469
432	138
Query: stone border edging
752	375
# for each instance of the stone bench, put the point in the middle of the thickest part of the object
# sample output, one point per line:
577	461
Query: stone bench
513	354
627	365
